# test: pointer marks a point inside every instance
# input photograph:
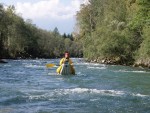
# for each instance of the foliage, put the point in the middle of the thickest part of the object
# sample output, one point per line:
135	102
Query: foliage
144	51
19	38
114	29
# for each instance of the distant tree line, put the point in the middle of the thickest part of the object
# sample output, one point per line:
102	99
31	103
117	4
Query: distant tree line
22	39
115	31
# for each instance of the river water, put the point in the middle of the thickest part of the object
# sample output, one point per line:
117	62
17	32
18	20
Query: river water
27	86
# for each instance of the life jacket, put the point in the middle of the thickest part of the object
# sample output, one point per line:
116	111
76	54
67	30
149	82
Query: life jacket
65	62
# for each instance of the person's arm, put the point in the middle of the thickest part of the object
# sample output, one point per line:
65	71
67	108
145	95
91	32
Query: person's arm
61	61
70	62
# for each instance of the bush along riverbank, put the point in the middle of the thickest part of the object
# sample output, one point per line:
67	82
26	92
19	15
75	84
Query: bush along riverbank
115	32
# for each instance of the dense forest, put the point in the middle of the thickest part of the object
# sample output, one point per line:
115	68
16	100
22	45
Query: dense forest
115	31
20	38
107	31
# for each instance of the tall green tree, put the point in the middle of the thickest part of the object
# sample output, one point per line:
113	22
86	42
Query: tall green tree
113	29
23	39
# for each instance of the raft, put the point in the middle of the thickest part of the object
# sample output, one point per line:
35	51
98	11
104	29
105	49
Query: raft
65	69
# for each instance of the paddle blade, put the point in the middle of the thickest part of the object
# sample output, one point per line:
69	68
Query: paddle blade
50	65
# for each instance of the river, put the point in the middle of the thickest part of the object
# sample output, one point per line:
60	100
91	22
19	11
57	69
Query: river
27	86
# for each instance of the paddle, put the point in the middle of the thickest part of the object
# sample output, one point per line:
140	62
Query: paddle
50	65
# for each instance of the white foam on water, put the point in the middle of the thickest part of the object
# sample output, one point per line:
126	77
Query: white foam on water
34	66
7	65
61	92
93	100
81	74
82	64
89	64
19	72
79	91
36	97
52	74
90	91
125	71
140	95
96	91
90	67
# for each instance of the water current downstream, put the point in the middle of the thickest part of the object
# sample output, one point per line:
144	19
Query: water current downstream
27	86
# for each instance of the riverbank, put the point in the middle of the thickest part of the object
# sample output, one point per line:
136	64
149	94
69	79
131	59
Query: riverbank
144	63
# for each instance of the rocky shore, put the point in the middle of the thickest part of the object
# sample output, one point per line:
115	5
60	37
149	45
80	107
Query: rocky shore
117	61
142	63
112	61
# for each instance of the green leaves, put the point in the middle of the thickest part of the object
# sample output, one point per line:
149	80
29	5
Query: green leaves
19	38
118	29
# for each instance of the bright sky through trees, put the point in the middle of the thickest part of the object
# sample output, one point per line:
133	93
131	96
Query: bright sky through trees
48	14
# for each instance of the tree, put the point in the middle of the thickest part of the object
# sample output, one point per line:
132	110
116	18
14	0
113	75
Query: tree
64	35
56	32
19	38
113	30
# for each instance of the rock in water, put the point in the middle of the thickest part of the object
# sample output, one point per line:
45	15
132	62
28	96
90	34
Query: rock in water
2	61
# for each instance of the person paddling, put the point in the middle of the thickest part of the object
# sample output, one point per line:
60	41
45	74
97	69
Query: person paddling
66	60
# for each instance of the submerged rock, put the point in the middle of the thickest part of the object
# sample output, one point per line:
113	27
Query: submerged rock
2	61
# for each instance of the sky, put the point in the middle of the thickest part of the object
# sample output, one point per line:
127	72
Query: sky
48	14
